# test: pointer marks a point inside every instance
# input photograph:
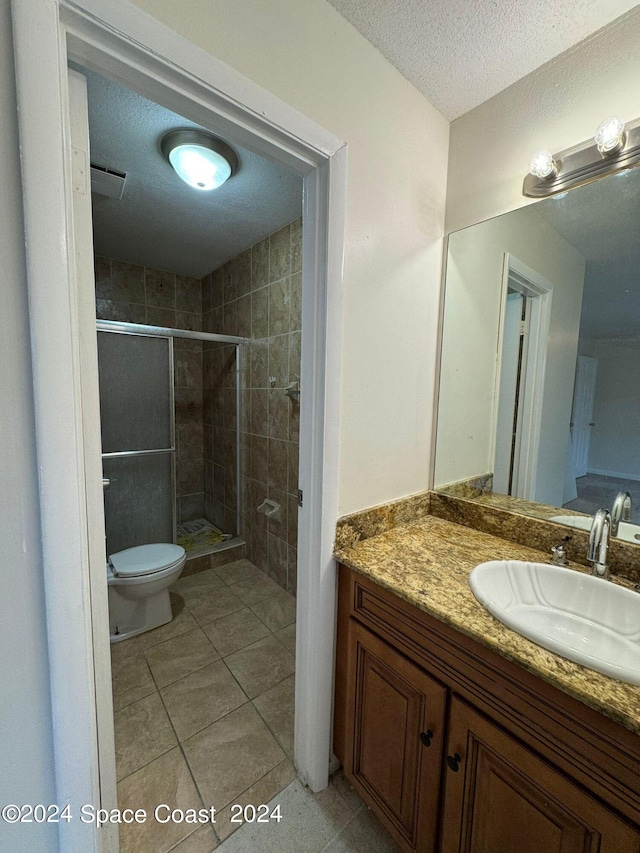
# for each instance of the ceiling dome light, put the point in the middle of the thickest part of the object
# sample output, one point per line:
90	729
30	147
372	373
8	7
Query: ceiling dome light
202	160
543	165
610	135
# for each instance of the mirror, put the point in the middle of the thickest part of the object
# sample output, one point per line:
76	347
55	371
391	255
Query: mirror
540	372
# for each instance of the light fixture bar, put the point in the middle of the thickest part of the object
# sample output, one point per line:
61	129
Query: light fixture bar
585	163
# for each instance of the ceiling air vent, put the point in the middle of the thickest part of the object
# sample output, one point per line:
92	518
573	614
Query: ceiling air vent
107	182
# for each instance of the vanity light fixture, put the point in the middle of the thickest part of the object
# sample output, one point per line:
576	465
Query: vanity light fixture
610	135
543	165
202	160
614	147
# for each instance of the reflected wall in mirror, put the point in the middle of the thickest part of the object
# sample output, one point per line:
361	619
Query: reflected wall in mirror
540	372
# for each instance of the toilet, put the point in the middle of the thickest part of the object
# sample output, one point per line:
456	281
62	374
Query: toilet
138	581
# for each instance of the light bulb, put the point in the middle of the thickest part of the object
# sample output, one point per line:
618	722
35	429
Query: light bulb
200	167
610	135
202	160
543	165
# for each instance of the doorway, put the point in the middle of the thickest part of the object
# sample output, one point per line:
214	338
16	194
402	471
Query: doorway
166	68
199	437
522	351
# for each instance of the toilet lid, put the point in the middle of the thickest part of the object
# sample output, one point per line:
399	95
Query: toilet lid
145	559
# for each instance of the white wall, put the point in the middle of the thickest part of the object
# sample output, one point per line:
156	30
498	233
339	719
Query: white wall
304	52
26	751
614	448
469	356
557	106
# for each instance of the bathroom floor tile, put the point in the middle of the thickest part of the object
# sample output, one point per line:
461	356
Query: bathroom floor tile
346	789
288	637
309	822
240	570
261	665
235	631
231	755
277	611
363	834
142	733
216	604
262	791
198	700
203	840
198	585
165	780
181	656
181	623
255	589
130	675
276	707
236	753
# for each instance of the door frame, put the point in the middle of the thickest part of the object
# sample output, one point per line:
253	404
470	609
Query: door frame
532	284
118	39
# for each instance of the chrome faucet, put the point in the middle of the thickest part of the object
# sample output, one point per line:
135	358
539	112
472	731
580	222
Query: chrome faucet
621	511
599	543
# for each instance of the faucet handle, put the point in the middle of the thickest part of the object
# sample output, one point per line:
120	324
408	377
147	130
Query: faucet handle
559	552
559	555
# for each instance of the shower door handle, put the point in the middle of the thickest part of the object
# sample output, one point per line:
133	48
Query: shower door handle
106	482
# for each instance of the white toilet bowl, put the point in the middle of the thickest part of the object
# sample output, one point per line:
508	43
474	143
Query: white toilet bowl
138	580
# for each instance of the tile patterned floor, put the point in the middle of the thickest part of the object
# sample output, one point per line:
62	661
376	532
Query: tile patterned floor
204	717
204	707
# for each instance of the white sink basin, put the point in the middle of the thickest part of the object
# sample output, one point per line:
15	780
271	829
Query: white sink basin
586	619
627	532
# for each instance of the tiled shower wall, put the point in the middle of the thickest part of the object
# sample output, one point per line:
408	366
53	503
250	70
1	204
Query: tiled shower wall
256	295
135	294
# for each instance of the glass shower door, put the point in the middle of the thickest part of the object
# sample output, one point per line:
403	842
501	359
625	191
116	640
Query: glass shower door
138	446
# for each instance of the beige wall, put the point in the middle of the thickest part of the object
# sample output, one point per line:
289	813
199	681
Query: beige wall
614	447
557	106
306	54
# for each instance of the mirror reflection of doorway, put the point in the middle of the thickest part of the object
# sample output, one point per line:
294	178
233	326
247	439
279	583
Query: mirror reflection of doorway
522	358
513	377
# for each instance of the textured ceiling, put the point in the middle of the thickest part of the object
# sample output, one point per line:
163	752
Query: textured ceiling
160	222
459	53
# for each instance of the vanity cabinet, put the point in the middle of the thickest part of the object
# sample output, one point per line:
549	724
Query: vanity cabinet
397	717
460	751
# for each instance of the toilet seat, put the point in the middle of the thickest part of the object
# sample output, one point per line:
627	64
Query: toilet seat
146	559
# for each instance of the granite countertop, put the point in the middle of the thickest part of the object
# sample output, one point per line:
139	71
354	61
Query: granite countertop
427	562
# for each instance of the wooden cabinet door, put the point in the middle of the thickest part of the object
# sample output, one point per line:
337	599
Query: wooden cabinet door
395	741
502	798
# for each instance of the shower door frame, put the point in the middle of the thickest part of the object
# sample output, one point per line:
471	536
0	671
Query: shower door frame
144	330
116	38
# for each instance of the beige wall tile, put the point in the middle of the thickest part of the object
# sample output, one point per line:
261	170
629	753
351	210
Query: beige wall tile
260	264
160	288
280	254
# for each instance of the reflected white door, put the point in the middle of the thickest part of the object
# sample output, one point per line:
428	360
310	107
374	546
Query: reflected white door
584	391
505	427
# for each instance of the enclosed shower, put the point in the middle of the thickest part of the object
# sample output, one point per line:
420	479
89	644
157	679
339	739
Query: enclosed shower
171	414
